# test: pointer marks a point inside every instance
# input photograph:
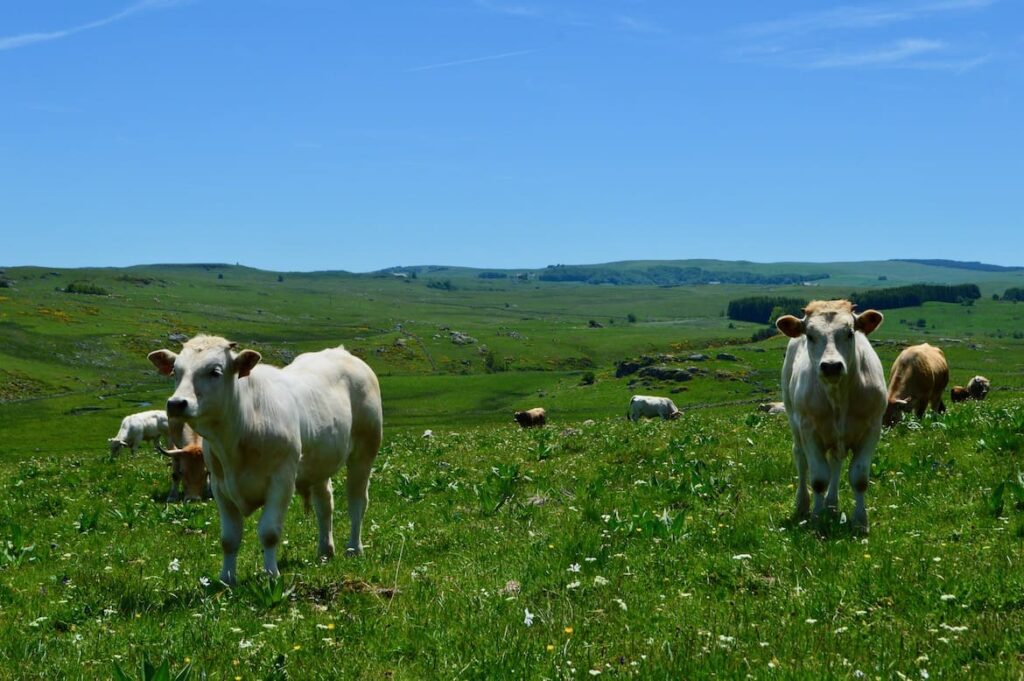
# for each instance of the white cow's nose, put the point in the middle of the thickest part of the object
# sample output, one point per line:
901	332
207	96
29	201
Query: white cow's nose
176	406
830	368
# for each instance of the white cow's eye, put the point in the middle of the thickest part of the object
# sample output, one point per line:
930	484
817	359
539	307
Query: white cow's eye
216	371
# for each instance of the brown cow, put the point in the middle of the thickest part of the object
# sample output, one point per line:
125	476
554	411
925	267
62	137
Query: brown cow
188	469
917	379
958	393
531	418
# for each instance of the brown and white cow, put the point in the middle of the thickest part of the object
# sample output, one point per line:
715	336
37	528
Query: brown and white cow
918	378
531	418
958	393
188	469
978	387
270	432
834	390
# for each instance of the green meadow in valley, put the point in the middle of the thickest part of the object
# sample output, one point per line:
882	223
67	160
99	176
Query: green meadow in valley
591	547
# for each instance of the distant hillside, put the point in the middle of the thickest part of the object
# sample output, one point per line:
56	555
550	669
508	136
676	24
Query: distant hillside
961	265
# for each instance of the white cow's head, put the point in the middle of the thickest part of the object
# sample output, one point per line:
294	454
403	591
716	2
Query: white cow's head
115	445
204	376
830	327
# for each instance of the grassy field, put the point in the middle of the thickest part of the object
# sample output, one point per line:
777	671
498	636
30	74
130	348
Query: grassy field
651	550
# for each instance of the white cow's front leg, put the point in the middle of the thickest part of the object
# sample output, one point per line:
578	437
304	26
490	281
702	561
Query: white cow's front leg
835	471
860	471
279	494
803	499
819	469
230	535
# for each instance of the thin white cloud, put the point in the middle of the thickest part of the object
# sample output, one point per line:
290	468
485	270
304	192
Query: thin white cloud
471	60
828	39
638	25
24	39
850	17
887	55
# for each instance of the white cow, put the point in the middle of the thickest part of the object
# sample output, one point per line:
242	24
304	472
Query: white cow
978	387
834	390
146	425
270	432
646	405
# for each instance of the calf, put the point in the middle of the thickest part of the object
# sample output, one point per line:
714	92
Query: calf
270	432
958	393
136	428
651	407
834	391
531	418
917	379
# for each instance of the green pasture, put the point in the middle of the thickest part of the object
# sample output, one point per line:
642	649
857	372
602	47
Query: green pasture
650	550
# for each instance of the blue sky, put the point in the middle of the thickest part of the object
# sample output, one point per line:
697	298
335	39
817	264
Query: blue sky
325	134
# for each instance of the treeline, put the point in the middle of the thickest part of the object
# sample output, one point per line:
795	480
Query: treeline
764	309
961	265
914	295
1015	293
667	275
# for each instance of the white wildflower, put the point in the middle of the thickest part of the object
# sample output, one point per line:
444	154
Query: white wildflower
204	581
811	620
600	581
174	566
245	643
947	597
573	585
742	556
575	567
622	603
527	617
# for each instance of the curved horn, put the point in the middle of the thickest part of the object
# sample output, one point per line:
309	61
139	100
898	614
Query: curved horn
171	454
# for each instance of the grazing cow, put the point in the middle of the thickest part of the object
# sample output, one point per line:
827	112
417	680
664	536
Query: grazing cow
834	390
531	418
188	469
958	393
146	425
978	387
270	432
772	407
917	379
651	407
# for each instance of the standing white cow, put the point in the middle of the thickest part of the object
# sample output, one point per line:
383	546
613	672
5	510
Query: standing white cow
651	407
834	390
270	432
135	428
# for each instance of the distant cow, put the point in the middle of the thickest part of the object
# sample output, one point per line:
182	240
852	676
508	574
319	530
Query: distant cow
978	387
772	407
651	407
188	469
917	379
958	393
834	390
531	418
136	428
270	432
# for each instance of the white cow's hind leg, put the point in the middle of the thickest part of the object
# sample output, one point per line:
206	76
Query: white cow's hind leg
230	536
860	470
322	498
271	524
357	484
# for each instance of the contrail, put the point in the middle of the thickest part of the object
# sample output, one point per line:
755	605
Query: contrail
474	60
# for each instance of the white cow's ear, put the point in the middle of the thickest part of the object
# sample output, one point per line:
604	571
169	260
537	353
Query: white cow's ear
790	325
245	361
163	360
868	321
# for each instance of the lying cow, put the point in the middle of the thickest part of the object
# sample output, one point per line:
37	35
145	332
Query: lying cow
531	418
651	407
188	469
834	391
978	387
270	432
918	378
137	428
